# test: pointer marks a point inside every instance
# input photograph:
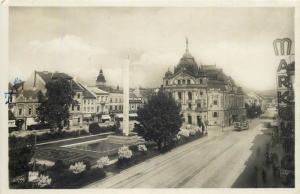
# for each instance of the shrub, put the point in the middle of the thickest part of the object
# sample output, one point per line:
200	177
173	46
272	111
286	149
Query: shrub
87	164
184	133
124	156
142	148
69	180
103	161
78	167
124	152
43	181
20	154
59	166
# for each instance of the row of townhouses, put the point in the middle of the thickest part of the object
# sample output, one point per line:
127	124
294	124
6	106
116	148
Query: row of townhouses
205	93
96	103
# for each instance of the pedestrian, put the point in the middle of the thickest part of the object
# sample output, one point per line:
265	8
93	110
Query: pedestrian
264	176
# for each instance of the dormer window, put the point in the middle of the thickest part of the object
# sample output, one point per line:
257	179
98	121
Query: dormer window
188	81
183	81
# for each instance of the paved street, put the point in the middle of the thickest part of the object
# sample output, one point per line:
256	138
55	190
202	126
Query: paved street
214	161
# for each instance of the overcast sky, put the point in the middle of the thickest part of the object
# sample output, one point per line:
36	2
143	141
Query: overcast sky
79	41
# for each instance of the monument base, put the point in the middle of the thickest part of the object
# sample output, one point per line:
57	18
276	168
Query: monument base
131	139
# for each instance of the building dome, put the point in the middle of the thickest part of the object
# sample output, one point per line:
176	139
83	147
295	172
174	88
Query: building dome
168	73
101	77
187	62
100	81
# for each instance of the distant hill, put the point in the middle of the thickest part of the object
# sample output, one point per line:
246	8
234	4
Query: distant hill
270	93
267	93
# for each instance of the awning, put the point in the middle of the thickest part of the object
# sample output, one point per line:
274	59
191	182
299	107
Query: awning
119	116
133	115
31	121
105	117
87	115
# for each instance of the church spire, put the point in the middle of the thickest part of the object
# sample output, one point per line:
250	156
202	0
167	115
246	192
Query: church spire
186	45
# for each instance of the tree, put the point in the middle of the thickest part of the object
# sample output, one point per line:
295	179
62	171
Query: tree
159	119
54	108
20	153
11	115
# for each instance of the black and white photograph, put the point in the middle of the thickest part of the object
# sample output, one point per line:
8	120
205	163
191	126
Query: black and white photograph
160	97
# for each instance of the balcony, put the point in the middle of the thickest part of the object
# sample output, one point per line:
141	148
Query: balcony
200	109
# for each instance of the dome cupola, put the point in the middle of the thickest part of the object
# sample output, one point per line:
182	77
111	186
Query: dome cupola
100	79
187	62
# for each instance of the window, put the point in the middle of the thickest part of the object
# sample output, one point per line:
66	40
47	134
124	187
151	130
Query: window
72	107
111	100
78	120
188	81
201	81
190	95
215	102
88	109
183	81
179	82
92	109
84	102
116	107
215	114
189	119
98	108
179	96
78	107
201	93
101	98
78	95
167	82
198	105
120	107
110	107
29	111
190	106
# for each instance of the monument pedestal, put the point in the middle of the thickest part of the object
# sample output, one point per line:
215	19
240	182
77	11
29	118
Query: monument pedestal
131	139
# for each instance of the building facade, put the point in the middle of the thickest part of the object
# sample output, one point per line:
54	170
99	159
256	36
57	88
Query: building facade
205	93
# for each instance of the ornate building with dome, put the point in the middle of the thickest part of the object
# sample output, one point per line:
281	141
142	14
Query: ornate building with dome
205	93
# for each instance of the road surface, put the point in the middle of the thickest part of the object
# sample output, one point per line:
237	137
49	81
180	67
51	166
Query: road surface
215	161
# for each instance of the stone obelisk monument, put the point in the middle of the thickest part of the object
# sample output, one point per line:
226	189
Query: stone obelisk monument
125	139
126	97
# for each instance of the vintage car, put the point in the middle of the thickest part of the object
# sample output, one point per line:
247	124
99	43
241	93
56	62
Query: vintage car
241	124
